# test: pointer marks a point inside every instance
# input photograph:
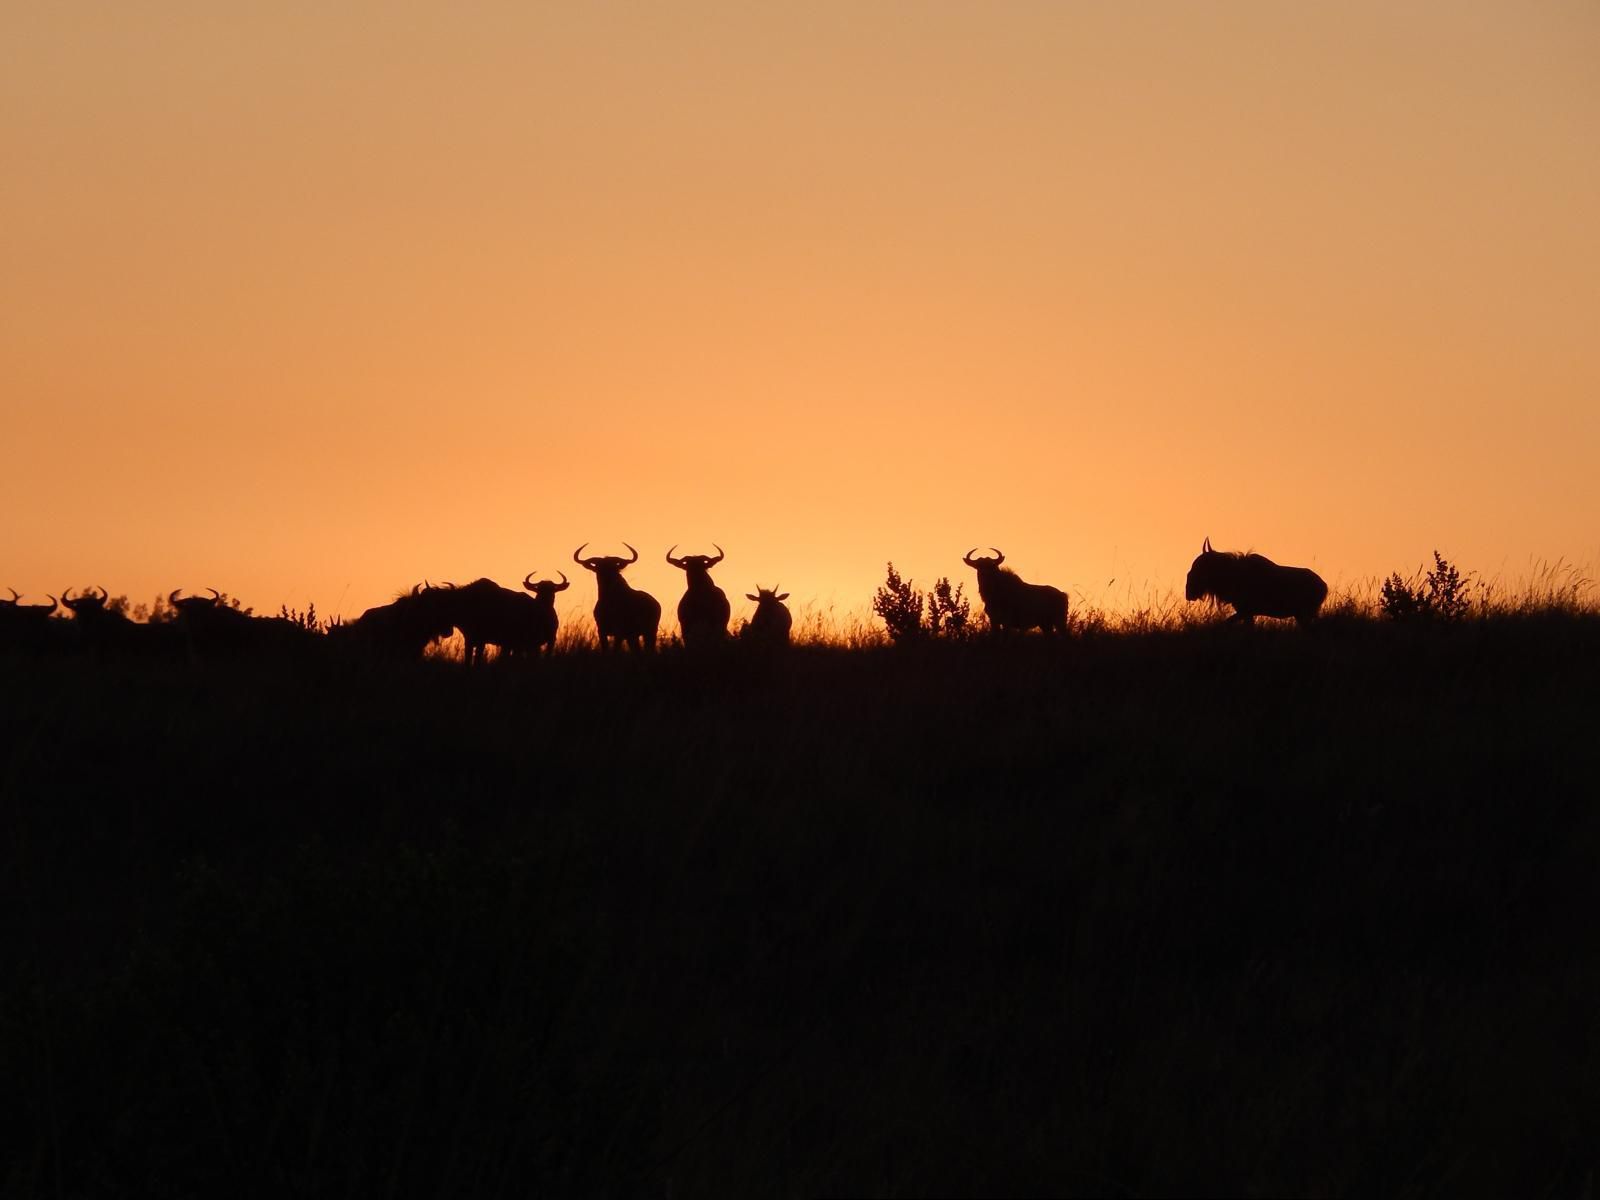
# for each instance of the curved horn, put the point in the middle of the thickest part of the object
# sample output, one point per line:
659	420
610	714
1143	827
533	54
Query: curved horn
216	596
66	595
527	582
172	596
15	596
720	556
677	562
578	551
1207	547
632	551
968	559
416	589
54	604
104	595
998	557
565	583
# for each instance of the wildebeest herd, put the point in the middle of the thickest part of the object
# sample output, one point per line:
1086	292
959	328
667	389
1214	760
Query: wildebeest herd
524	623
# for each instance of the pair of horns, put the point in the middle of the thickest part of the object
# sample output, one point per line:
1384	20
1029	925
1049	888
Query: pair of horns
103	597
589	562
972	562
172	597
527	582
710	562
16	596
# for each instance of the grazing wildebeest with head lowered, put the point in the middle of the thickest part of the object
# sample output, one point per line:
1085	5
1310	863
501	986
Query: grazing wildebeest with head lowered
1012	604
26	626
621	614
772	622
703	612
1254	585
544	623
401	629
214	627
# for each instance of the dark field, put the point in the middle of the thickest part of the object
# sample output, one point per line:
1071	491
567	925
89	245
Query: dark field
1222	911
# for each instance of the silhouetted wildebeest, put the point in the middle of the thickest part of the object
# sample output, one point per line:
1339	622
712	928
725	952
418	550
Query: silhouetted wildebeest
703	612
100	628
215	628
621	613
544	622
26	626
1012	604
772	622
401	629
1255	586
490	615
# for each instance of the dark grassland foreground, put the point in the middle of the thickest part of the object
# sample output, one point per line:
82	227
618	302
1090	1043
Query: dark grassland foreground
1225	911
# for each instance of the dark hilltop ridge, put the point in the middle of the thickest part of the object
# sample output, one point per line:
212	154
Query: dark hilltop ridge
1178	907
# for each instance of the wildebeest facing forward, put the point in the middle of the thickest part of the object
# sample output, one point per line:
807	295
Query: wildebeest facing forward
1254	585
772	622
26	626
102	629
703	612
543	624
1013	604
621	613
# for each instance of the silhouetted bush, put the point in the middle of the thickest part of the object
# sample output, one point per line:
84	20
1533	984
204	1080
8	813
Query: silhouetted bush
949	612
1441	595
307	620
909	614
899	606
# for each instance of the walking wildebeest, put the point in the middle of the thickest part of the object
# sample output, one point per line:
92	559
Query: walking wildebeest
703	612
544	623
622	615
1012	604
401	629
772	622
1255	586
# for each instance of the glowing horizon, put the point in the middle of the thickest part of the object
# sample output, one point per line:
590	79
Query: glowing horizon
310	305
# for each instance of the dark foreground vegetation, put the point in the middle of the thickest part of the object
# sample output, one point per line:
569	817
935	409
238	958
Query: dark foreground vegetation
1225	911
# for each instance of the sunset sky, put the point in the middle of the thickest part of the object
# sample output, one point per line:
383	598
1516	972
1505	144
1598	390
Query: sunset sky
308	301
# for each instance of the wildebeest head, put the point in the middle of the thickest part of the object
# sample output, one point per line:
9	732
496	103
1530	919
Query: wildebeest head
1204	572
696	564
988	569
188	606
772	620
24	611
605	565
545	589
87	604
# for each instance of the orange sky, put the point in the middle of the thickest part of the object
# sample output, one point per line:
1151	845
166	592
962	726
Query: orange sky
308	301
